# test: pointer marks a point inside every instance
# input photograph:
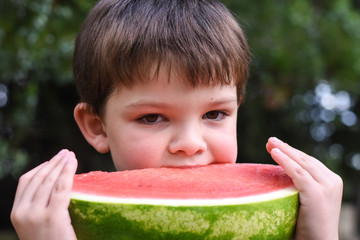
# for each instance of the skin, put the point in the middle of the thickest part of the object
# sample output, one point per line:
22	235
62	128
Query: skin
320	191
42	199
168	124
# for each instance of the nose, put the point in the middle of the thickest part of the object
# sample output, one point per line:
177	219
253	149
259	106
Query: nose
188	140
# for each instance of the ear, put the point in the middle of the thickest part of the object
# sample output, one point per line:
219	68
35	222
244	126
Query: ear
91	127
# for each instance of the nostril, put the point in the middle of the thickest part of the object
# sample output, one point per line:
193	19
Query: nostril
187	148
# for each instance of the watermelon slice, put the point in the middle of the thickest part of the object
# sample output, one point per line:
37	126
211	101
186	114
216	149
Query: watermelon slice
220	201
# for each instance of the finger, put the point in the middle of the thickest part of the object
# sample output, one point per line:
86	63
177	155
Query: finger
45	188
316	168
63	185
38	177
300	177
23	182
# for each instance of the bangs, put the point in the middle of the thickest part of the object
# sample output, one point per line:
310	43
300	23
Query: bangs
203	52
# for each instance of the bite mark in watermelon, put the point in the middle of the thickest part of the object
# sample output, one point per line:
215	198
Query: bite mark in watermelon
220	201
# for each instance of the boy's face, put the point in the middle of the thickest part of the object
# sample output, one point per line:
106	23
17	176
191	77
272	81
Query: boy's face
167	123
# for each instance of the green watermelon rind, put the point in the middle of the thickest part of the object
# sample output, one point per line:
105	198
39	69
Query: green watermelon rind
271	219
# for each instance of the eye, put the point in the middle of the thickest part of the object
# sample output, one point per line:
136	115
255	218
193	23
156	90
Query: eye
151	119
214	115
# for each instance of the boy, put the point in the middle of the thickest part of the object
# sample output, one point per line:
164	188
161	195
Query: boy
160	84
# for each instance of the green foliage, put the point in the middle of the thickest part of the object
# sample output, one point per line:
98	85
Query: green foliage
296	43
36	39
296	46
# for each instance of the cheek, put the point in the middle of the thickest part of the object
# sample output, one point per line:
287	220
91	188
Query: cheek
136	153
225	148
228	152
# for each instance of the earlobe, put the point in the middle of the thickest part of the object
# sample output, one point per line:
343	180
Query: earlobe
91	127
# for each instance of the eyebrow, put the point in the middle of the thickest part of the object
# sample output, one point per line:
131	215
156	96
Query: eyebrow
155	104
222	101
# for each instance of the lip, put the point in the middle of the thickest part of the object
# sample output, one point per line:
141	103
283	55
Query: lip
185	166
188	162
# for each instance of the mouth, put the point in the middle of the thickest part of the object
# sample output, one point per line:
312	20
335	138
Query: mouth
186	166
189	163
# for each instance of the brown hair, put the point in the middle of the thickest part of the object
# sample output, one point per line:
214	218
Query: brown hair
122	40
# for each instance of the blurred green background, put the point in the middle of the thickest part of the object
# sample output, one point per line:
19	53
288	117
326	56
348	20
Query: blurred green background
304	86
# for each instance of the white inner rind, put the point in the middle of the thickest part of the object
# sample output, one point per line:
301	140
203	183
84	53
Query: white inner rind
188	202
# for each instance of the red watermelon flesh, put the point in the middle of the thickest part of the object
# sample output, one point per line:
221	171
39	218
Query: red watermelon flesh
203	182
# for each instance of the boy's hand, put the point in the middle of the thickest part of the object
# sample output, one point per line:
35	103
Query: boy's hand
40	209
320	191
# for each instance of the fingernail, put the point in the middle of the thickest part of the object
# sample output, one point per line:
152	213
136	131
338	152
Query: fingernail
70	154
60	154
63	152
